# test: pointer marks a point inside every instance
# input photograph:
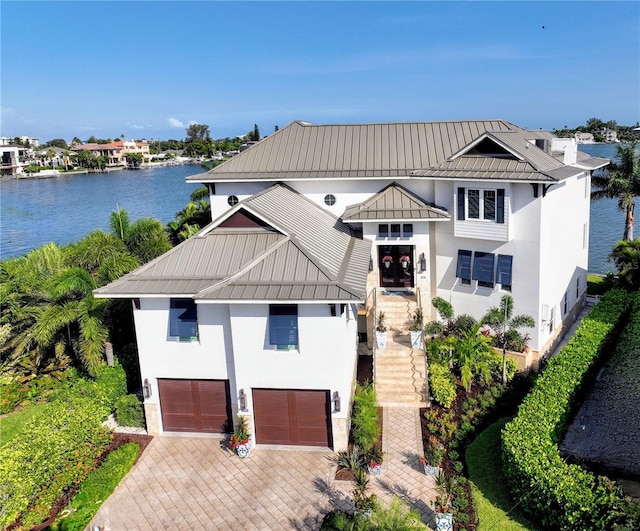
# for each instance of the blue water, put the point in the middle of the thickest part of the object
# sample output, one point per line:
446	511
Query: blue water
64	209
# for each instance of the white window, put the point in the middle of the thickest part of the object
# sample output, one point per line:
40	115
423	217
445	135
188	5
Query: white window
395	230
481	204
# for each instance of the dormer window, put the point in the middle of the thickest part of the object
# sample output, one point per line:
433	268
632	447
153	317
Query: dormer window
481	204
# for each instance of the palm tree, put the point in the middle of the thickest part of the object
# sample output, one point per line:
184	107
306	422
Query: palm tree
626	257
472	352
621	182
506	325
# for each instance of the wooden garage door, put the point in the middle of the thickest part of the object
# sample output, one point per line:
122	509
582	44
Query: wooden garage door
201	406
284	416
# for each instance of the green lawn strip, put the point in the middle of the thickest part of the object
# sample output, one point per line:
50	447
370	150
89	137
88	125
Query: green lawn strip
12	424
488	484
98	487
598	284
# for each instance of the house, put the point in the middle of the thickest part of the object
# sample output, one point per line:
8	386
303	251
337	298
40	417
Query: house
467	210
610	135
133	146
27	141
113	153
13	159
584	138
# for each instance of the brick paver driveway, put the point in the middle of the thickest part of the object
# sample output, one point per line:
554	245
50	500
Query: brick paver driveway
194	483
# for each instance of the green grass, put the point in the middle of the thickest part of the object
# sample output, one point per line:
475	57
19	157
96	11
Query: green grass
11	425
97	488
488	484
598	284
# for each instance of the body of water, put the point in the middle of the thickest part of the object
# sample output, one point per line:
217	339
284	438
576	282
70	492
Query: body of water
65	208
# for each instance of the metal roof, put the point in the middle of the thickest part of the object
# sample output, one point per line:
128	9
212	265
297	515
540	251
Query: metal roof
304	151
303	254
394	202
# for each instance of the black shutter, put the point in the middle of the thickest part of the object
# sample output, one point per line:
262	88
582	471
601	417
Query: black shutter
504	269
483	267
500	205
460	203
463	268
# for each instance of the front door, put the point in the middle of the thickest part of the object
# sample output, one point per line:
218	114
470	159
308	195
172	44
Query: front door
396	266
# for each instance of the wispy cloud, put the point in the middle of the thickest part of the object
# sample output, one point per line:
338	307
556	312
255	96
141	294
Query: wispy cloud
140	126
174	122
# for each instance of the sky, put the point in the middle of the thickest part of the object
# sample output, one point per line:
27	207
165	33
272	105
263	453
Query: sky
149	69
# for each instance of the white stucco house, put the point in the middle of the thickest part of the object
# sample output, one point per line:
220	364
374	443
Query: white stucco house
257	313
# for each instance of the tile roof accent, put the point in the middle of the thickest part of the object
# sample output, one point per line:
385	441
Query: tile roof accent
305	254
394	202
304	151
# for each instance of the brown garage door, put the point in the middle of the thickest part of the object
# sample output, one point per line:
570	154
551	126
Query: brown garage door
201	406
285	416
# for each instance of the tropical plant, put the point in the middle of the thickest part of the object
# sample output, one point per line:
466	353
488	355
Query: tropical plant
380	322
365	418
626	257
188	221
350	460
622	183
442	384
472	351
417	321
448	324
505	325
241	434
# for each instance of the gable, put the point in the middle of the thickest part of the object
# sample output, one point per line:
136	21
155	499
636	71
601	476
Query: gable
243	219
489	148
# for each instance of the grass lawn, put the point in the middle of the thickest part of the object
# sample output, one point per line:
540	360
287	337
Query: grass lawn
597	284
488	484
12	424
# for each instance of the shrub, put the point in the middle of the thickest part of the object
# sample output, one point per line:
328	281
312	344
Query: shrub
58	449
97	487
442	385
365	419
129	411
566	496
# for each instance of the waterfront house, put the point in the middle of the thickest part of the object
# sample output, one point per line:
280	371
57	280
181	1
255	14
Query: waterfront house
467	210
113	153
13	159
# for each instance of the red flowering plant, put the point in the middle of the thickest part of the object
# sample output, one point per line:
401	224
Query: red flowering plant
387	259
405	258
241	435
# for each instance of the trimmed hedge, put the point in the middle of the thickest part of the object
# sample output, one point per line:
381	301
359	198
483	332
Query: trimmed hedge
59	449
442	384
129	412
557	494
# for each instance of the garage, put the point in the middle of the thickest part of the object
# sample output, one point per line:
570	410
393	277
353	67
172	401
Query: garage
200	406
294	417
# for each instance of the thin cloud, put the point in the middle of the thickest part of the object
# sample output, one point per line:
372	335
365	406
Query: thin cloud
174	122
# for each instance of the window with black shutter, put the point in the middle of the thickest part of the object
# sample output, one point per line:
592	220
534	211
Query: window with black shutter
503	271
483	268
463	267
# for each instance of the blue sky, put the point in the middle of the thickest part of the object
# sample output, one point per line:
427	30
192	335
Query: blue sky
148	69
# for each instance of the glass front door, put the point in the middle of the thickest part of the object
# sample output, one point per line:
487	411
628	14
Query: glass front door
396	266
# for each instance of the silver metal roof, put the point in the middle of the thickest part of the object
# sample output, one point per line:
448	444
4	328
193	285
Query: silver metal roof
303	254
394	202
304	151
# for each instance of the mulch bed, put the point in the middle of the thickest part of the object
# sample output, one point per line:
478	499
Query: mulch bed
118	440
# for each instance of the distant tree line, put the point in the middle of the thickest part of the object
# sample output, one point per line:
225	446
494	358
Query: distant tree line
595	127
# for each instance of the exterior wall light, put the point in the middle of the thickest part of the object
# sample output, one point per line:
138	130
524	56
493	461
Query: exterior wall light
146	388
242	400
336	401
423	263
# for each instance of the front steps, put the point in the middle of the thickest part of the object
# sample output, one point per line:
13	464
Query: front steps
399	369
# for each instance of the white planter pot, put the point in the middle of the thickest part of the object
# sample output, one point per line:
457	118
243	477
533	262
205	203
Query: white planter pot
431	471
381	340
416	339
243	450
375	470
444	522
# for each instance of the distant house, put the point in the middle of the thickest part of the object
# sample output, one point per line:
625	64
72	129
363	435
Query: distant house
113	152
31	141
13	159
257	312
609	135
584	138
133	146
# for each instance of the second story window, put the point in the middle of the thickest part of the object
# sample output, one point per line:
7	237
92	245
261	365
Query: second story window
183	319
283	326
480	204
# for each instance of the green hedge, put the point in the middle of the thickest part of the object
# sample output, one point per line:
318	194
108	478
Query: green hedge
59	449
557	494
129	411
366	429
442	384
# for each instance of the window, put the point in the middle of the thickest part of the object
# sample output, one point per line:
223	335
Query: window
565	305
483	269
463	268
393	230
503	271
183	319
578	288
329	199
232	200
283	326
479	204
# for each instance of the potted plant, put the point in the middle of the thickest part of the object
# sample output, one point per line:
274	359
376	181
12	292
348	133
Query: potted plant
442	502
374	461
416	330
433	457
387	261
404	261
240	441
381	331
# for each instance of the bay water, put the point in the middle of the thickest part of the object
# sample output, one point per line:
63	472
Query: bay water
65	208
